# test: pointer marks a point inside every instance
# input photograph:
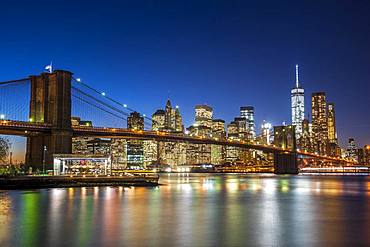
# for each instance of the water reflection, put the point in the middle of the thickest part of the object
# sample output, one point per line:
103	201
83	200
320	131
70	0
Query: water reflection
193	210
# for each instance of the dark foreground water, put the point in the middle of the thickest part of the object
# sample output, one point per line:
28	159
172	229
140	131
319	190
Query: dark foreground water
194	210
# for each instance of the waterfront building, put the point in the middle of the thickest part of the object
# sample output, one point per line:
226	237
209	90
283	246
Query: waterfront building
150	149
367	155
247	112
135	148
198	154
297	103
172	154
79	145
88	145
119	153
319	123
135	154
360	156
135	121
352	149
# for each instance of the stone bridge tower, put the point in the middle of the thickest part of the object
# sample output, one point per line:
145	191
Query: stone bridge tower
50	103
285	162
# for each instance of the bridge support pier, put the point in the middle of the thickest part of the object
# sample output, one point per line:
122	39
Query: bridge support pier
51	104
285	163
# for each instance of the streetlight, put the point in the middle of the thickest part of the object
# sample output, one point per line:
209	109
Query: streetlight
43	160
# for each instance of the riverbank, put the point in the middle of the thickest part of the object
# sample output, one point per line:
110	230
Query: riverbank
37	182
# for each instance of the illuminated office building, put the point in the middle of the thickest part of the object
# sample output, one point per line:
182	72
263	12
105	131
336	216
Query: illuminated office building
135	148
266	133
232	153
319	123
242	126
352	149
247	112
203	123
367	155
135	121
232	131
332	131
158	120
168	120
297	100
203	115
218	129
218	152
305	140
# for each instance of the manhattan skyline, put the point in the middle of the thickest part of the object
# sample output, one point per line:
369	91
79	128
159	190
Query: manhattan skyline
223	59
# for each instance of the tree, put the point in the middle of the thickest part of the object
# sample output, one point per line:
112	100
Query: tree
4	149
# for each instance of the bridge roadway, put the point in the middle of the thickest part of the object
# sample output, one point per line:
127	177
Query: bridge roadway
22	128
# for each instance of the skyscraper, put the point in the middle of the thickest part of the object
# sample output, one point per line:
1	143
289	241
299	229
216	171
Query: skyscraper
332	130
247	112
352	149
297	98
158	120
203	115
203	121
170	116
169	120
135	121
319	123
135	151
266	133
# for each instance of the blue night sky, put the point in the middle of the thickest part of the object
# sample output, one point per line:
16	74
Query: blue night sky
222	53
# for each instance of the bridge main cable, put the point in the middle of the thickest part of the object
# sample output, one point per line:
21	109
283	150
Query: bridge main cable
109	98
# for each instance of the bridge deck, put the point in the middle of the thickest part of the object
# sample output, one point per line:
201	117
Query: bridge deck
23	128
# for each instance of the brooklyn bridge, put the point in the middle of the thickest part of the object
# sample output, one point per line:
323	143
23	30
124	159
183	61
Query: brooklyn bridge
41	107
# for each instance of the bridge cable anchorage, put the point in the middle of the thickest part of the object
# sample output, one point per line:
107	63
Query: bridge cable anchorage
100	108
109	98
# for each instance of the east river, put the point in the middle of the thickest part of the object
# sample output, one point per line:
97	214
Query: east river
194	210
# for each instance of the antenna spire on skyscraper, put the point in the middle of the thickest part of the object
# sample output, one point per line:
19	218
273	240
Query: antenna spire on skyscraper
296	76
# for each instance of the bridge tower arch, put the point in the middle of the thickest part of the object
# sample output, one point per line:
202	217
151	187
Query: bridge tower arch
50	103
285	162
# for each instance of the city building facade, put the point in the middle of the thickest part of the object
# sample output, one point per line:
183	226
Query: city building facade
297	102
247	112
319	123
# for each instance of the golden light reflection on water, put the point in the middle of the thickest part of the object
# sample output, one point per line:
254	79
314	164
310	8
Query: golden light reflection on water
5	216
187	210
